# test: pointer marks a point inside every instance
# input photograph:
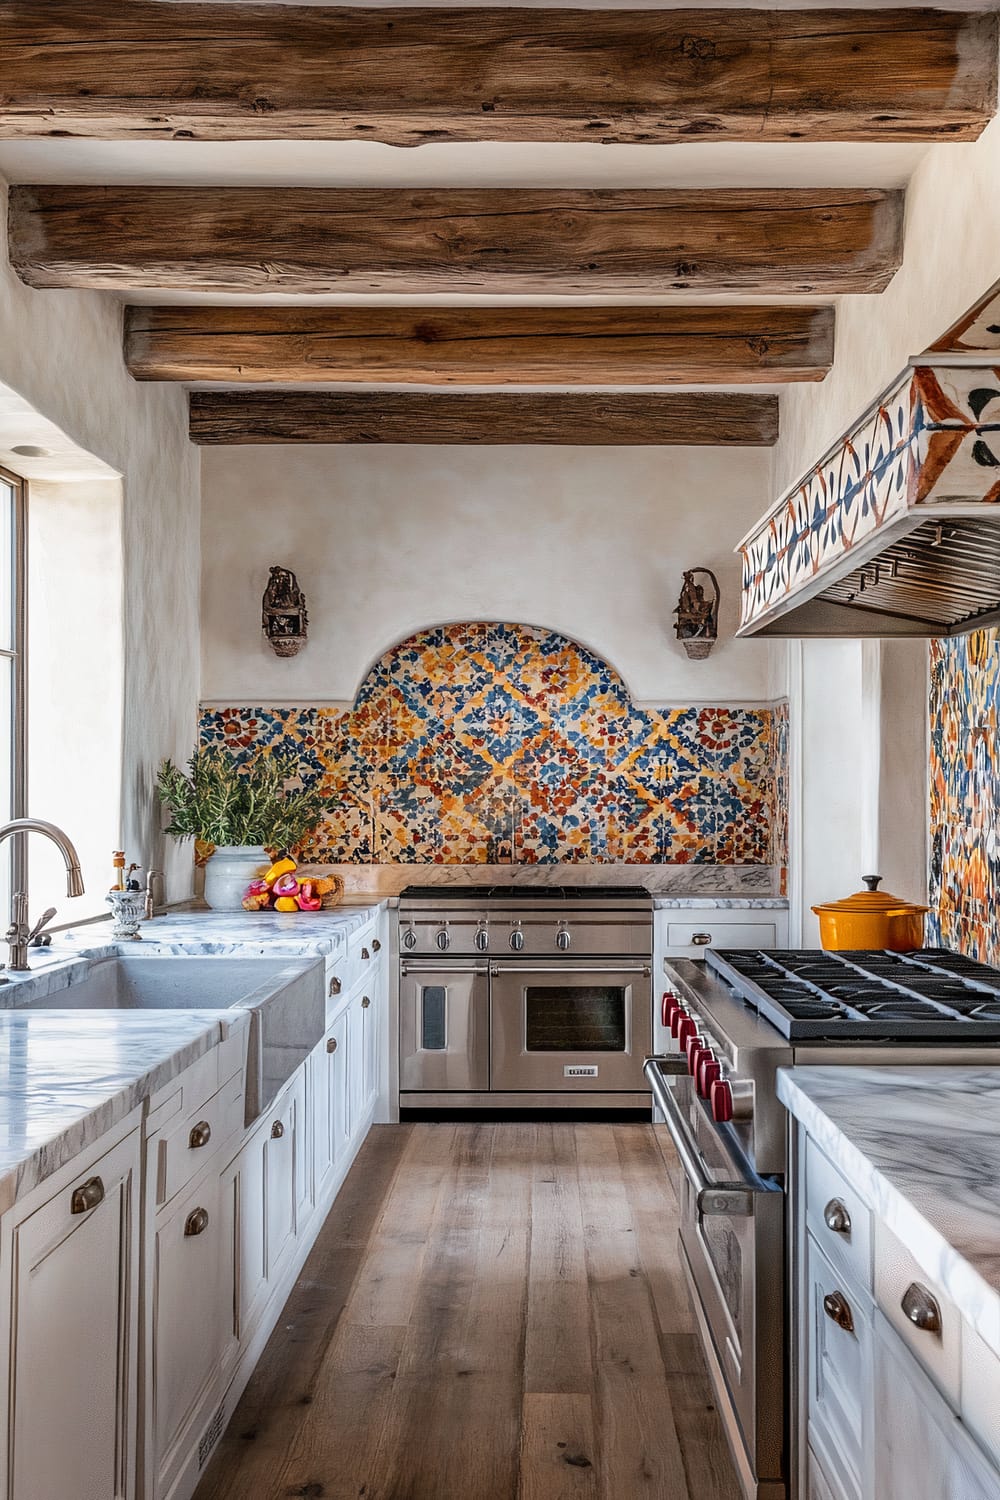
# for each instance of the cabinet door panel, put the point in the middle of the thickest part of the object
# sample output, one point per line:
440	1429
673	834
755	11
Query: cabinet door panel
75	1315
840	1356
284	1176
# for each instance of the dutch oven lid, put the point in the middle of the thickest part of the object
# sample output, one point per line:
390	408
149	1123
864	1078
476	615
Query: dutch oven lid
873	902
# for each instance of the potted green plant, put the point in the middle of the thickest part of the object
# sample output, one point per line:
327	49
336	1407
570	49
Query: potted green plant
238	815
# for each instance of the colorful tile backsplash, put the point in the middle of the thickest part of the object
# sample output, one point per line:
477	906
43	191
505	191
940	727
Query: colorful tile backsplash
505	743
965	794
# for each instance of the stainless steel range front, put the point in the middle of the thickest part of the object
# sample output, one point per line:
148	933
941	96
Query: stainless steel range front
724	1027
524	997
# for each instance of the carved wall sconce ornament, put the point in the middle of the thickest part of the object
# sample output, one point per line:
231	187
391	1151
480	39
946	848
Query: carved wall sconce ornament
283	614
697	615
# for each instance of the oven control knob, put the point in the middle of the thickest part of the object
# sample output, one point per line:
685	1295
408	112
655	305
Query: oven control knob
482	939
682	1027
670	1006
563	939
709	1072
722	1101
443	939
696	1050
517	940
409	938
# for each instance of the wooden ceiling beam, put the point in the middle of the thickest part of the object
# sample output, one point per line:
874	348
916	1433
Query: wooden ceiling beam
723	420
322	241
146	69
558	346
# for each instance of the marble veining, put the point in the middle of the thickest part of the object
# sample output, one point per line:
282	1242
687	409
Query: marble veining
922	1145
243	934
723	903
69	1076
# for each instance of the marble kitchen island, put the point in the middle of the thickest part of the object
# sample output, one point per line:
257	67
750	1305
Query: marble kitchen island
895	1203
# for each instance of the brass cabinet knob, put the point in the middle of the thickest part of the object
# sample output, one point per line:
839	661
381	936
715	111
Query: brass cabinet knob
837	1307
335	986
87	1196
365	953
922	1308
376	946
200	1135
836	1217
701	939
331	1045
196	1222
277	1130
365	1002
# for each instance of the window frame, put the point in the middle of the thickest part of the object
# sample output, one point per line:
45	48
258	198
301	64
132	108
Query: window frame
17	654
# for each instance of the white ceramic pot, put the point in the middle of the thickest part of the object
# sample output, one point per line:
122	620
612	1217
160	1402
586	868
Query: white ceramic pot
229	872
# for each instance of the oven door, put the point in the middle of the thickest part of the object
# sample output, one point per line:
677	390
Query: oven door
444	1029
569	1027
732	1226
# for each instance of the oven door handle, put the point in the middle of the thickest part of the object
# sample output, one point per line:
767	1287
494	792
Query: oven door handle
713	1199
431	966
529	967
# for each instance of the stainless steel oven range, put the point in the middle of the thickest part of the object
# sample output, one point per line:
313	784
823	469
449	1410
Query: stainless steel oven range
517	997
733	1020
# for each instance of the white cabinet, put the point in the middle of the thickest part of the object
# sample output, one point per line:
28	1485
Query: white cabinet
923	1451
71	1407
330	1107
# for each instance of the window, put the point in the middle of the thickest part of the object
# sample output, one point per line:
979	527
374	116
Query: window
13	757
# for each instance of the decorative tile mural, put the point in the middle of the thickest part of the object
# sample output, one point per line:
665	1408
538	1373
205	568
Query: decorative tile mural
495	743
965	794
926	444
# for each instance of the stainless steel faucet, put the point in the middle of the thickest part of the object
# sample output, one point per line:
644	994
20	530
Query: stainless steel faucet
20	932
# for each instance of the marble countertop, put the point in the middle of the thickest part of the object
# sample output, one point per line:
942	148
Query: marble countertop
241	934
922	1145
68	1076
724	903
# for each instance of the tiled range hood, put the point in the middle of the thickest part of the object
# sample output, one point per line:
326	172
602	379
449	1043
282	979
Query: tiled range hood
896	532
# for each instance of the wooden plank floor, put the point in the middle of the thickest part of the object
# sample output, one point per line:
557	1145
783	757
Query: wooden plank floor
491	1312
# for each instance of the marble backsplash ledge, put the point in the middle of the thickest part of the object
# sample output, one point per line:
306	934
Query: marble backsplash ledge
506	745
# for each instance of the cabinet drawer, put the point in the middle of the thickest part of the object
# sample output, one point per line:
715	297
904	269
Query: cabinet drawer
937	1348
837	1218
183	1150
981	1392
840	1370
711	932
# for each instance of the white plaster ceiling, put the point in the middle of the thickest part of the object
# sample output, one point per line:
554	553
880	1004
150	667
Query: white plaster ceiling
22	426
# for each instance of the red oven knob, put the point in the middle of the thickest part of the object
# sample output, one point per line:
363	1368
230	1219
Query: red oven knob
722	1101
709	1072
696	1052
682	1027
669	1007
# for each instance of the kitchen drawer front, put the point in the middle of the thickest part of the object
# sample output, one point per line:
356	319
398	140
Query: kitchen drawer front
898	1275
722	931
839	1220
183	1150
839	1371
981	1392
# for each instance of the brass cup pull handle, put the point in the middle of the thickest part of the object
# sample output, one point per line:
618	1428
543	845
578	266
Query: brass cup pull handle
365	1002
837	1307
196	1222
335	986
836	1217
701	939
922	1309
376	946
87	1196
331	1045
200	1135
277	1130
365	953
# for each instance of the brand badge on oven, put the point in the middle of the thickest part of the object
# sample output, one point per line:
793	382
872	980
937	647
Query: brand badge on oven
580	1070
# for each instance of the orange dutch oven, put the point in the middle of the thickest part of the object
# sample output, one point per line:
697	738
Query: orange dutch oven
871	919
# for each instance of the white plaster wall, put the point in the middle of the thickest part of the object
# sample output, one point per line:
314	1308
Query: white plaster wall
61	352
950	259
388	539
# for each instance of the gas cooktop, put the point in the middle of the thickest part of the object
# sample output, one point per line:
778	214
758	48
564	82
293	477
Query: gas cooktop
483	893
811	995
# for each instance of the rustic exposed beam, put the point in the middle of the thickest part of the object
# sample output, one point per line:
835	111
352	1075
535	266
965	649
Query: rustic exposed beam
677	417
669	345
409	75
322	241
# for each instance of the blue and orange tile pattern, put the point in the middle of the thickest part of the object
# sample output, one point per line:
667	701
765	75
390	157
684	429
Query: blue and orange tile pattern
965	794
496	742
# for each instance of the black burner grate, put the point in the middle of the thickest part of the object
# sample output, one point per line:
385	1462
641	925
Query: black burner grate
929	995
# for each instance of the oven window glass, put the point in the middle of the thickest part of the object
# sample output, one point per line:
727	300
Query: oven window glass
575	1017
433	1036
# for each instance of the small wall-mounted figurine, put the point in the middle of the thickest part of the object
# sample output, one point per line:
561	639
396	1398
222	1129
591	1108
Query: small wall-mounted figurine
283	616
697	616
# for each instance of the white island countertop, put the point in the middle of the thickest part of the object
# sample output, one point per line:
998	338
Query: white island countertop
241	934
922	1145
